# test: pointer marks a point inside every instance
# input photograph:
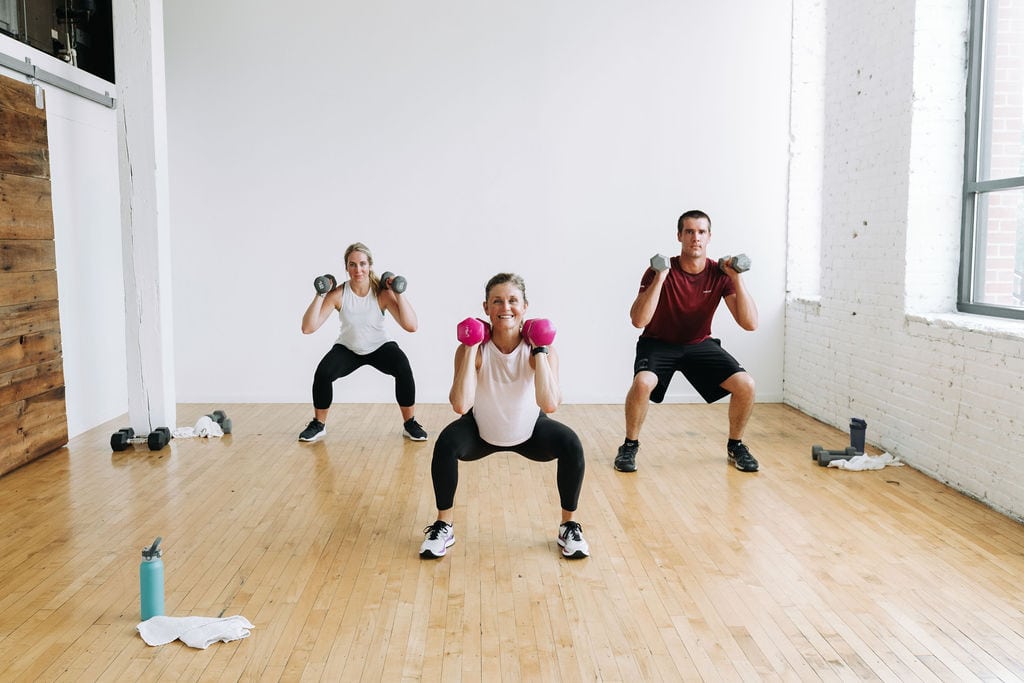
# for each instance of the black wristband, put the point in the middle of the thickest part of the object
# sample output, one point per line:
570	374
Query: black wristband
538	349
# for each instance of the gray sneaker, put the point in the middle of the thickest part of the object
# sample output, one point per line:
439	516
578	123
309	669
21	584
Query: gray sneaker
625	460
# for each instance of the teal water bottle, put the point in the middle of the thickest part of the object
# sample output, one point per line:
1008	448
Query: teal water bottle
151	581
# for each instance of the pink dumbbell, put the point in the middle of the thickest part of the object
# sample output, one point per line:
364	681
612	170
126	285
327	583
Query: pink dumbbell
473	331
538	332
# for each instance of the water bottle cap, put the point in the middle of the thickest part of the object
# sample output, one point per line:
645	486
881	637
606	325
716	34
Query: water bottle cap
152	551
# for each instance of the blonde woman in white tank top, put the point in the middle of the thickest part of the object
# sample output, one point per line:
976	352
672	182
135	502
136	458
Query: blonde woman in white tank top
361	303
504	388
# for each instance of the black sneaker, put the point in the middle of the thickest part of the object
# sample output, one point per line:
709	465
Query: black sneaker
412	430
625	460
314	431
741	459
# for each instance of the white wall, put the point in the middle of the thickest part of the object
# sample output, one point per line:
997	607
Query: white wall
559	140
942	391
87	238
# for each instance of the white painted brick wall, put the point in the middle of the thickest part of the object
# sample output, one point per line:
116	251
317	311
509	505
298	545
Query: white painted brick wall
875	336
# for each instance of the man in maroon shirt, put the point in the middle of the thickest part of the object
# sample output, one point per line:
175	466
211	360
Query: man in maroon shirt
674	308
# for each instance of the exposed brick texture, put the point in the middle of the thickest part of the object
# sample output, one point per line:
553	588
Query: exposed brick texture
875	335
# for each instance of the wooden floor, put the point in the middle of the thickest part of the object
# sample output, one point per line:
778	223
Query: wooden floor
698	571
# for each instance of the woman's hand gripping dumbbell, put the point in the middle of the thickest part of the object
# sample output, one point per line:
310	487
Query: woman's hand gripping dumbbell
538	333
473	331
395	283
324	284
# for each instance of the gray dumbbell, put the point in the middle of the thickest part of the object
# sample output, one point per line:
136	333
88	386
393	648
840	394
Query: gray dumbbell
221	418
659	262
324	283
398	282
825	456
740	263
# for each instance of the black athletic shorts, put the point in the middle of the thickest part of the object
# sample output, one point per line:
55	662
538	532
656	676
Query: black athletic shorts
705	365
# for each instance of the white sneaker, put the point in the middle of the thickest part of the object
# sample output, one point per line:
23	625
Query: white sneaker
440	535
570	537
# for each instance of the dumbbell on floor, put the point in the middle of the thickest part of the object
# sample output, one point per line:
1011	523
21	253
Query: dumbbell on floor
324	283
221	418
156	439
394	282
740	263
825	456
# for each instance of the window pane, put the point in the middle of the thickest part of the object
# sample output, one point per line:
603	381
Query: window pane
999	249
1001	149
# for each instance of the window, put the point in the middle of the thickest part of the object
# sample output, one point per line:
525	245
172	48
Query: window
79	32
992	250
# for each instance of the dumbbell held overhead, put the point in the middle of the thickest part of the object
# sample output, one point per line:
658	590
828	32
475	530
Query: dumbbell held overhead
389	280
324	283
740	263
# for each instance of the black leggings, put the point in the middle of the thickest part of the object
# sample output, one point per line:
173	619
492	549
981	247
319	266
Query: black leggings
550	440
340	361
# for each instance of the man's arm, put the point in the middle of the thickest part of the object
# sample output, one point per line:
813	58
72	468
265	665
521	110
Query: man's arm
646	302
741	304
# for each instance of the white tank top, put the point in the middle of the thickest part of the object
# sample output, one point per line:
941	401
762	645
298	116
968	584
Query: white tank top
362	322
505	406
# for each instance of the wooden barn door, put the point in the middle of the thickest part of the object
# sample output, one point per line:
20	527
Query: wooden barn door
33	419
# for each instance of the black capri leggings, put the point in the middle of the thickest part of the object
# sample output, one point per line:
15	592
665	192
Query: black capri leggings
461	440
341	361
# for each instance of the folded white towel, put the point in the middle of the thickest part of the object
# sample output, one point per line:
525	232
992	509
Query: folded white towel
866	462
198	632
204	427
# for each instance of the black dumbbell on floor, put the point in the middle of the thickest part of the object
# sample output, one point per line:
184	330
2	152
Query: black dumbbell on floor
324	283
740	263
221	418
397	282
825	456
156	439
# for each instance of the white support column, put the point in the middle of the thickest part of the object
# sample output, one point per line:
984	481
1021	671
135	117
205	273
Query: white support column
145	223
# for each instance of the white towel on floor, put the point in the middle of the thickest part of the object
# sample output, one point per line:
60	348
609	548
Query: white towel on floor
204	427
198	632
866	462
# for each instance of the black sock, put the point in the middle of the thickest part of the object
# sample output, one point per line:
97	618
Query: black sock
630	442
734	442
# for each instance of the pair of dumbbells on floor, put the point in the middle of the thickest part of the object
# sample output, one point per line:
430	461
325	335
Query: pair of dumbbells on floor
161	436
824	456
156	439
740	263
388	280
